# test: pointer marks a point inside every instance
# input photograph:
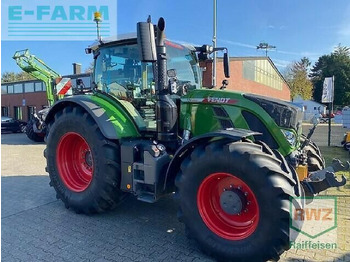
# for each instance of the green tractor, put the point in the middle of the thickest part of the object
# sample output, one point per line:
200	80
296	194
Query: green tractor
149	129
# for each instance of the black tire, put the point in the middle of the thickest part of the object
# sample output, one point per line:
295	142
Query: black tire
31	134
260	169
23	128
96	187
315	161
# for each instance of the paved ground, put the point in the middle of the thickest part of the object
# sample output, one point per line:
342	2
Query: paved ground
37	227
321	134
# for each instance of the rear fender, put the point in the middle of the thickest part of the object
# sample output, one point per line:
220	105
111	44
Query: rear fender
114	122
233	134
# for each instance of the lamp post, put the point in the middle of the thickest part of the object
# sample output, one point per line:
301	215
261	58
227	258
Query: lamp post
214	42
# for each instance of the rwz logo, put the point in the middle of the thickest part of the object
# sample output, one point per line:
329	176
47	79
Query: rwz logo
313	217
313	214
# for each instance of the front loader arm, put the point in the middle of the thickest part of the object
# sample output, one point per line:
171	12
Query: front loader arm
39	70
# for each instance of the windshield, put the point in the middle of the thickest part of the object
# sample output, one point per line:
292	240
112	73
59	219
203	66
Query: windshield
119	71
184	62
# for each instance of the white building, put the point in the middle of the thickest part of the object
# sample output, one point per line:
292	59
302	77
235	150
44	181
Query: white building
346	117
309	107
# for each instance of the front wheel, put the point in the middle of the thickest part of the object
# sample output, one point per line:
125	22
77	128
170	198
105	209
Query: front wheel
36	137
235	199
23	128
315	160
84	166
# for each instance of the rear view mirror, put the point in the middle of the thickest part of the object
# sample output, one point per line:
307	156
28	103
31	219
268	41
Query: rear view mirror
146	42
226	65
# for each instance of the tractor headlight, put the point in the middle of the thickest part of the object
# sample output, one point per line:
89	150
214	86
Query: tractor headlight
290	136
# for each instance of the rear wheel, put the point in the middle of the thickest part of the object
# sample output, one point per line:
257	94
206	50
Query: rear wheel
84	166
234	200
31	134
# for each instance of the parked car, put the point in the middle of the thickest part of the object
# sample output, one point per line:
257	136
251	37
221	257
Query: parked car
327	115
8	124
325	118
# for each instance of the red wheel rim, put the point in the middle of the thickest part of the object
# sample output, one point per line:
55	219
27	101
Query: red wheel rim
228	226
74	162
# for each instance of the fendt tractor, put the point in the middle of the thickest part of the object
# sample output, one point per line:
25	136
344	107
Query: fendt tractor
233	161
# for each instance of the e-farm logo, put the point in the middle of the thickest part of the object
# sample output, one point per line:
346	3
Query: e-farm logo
313	222
57	20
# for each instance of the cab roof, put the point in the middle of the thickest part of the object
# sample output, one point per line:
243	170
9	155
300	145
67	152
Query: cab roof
132	37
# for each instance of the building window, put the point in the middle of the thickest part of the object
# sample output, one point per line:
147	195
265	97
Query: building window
3	89
10	89
262	72
38	87
249	70
28	87
5	111
18	112
18	88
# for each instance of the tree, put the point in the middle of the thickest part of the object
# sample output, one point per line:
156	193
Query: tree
13	77
296	76
90	68
336	64
342	50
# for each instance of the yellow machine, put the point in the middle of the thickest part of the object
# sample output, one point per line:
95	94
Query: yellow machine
346	141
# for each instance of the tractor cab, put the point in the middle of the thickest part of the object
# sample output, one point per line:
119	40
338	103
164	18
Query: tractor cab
119	72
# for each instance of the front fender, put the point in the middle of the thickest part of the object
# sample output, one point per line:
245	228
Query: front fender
113	120
233	134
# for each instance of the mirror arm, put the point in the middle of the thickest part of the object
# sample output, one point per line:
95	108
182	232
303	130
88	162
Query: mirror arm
220	49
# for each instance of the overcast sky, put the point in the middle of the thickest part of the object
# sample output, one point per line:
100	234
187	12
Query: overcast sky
296	27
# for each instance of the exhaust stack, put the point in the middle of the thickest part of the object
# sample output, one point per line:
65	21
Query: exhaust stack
161	58
155	52
166	109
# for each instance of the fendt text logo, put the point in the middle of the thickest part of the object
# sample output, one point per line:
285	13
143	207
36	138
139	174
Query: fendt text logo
313	223
57	20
